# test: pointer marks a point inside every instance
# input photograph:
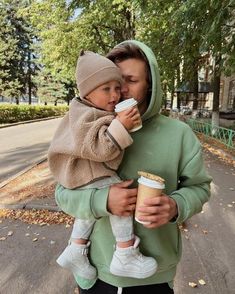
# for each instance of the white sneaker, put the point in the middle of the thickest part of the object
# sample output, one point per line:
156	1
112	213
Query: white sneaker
129	262
74	258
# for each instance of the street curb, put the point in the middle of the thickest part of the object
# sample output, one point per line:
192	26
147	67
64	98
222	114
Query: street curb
29	121
4	183
28	206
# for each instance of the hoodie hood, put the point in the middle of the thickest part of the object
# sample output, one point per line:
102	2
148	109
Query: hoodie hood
156	97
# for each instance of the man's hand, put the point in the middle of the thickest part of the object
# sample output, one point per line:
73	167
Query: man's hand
159	211
121	199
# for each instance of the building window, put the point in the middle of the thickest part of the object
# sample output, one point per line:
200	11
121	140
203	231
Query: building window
231	95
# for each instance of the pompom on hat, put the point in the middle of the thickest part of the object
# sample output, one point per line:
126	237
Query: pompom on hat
93	70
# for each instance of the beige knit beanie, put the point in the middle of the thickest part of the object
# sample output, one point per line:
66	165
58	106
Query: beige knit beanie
93	70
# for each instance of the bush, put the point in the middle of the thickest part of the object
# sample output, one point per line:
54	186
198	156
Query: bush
165	111
15	113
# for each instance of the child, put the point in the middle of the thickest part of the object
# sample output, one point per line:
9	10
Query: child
85	152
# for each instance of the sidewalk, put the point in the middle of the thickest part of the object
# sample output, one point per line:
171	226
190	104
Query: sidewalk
29	266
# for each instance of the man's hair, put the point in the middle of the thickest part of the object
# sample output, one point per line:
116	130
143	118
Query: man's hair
126	51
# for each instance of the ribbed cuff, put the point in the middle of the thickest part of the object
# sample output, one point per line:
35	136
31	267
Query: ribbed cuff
179	202
120	134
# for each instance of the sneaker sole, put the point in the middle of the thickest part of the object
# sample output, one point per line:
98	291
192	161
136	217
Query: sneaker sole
126	273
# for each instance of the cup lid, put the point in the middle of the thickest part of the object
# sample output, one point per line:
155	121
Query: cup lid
151	183
125	104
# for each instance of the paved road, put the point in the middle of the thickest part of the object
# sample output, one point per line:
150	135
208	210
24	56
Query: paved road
208	251
23	145
29	267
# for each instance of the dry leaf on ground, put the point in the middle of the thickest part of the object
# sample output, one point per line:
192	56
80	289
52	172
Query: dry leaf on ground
192	284
201	282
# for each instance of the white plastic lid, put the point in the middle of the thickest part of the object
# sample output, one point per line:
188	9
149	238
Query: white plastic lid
151	183
125	104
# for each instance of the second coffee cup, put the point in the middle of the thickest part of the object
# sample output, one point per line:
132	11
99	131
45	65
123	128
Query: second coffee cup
126	104
149	186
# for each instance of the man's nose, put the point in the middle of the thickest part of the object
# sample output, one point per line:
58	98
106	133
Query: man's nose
124	88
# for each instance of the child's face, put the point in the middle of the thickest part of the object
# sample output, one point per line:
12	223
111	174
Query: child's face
106	96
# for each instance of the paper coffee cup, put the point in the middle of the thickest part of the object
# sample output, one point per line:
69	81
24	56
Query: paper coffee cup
149	186
126	104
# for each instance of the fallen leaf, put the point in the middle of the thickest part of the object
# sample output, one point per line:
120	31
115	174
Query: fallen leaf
52	242
231	189
201	282
192	284
10	233
205	232
35	239
2	238
230	205
37	217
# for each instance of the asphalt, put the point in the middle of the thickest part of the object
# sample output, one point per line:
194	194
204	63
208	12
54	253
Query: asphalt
28	265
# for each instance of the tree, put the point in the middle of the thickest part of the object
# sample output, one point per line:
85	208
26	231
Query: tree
16	65
65	29
158	29
211	24
51	90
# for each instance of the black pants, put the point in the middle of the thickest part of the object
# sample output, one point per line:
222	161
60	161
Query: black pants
101	287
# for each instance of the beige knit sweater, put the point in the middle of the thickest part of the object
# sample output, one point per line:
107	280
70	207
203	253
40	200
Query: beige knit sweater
87	146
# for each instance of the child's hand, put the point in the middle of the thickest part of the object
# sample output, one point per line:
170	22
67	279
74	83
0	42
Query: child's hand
129	118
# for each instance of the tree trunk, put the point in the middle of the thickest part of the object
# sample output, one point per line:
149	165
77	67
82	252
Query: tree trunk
178	84
29	79
172	98
195	90
216	94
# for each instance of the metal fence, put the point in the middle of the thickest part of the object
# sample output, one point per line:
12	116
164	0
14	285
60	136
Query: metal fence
225	136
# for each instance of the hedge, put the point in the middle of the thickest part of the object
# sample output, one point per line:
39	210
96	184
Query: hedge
15	113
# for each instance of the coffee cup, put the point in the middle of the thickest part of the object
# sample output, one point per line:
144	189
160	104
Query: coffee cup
126	104
150	186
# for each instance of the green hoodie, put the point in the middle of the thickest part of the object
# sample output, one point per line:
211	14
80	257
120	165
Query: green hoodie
165	147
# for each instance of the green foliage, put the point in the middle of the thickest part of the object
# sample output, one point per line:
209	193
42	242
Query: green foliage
16	38
65	30
14	113
50	89
165	112
181	33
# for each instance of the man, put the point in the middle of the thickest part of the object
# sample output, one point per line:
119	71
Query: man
163	146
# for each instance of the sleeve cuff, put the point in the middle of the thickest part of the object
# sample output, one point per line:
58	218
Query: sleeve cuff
179	202
120	134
